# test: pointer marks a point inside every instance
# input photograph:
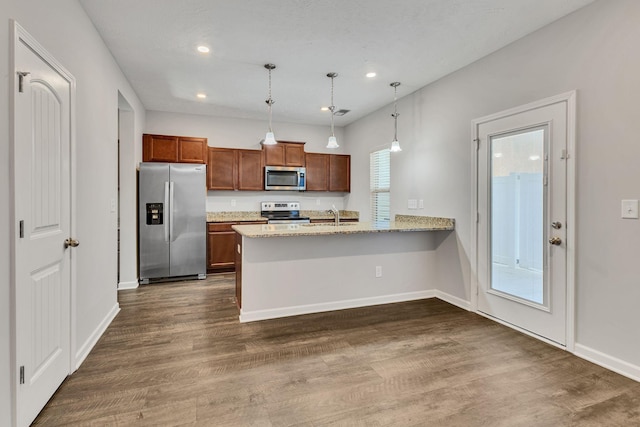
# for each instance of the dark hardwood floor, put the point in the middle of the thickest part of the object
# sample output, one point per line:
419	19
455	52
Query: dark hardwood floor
176	355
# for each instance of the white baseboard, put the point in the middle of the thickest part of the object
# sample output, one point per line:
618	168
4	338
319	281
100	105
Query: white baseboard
88	345
253	316
128	285
606	361
458	302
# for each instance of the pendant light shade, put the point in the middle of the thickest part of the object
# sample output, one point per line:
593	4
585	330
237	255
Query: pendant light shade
269	138
332	142
395	145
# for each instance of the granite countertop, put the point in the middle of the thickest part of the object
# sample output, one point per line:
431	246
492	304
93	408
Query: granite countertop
255	216
402	223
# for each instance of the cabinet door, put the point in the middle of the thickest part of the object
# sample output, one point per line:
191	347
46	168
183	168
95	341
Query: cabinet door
284	154
294	155
192	150
220	246
238	255
221	169
274	154
250	170
340	173
159	148
317	171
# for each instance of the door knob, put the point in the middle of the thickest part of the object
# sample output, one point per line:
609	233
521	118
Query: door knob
71	242
555	241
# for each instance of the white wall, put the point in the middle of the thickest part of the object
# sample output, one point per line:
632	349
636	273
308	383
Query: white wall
593	51
244	133
65	31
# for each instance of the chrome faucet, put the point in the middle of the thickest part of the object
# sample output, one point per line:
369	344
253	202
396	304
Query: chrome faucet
336	214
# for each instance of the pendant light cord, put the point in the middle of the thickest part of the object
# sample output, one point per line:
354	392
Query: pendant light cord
395	112
332	107
269	101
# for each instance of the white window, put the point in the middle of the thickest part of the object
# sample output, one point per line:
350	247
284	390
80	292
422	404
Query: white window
380	185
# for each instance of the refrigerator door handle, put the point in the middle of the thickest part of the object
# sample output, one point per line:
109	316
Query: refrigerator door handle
171	211
167	210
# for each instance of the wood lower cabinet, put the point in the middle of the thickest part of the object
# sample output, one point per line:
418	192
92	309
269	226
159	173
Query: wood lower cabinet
284	153
174	149
239	270
221	245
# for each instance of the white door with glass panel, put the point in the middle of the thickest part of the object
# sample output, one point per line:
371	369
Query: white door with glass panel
522	218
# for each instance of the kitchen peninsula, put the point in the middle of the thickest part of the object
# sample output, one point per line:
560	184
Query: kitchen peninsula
292	269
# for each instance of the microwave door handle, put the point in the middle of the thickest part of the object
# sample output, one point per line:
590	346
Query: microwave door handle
167	212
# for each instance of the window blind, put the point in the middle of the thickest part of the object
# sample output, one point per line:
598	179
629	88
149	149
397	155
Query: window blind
380	185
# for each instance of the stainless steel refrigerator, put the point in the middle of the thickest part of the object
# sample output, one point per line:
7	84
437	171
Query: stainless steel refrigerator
172	221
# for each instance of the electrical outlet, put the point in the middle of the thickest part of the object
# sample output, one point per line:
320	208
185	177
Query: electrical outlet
420	204
113	205
317	202
233	202
378	271
630	209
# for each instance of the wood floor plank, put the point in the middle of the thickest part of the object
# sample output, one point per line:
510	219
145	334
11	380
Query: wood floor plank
176	355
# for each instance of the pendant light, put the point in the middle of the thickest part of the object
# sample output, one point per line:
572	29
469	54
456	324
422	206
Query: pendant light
269	138
395	145
332	142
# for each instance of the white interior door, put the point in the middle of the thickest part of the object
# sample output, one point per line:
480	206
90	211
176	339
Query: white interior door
522	218
42	133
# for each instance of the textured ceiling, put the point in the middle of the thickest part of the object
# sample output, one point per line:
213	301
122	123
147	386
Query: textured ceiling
411	41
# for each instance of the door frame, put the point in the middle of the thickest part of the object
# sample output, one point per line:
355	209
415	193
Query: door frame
20	35
570	99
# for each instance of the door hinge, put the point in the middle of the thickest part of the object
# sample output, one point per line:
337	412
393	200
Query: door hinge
22	228
21	374
564	155
21	76
477	141
477	217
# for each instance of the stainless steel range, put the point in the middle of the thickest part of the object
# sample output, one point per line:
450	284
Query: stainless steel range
282	213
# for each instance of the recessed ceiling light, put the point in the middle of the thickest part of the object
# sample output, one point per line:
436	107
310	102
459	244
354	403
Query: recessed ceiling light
203	49
534	157
371	74
202	95
324	109
497	155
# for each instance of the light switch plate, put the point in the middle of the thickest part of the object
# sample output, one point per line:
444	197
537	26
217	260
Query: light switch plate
630	209
421	204
413	204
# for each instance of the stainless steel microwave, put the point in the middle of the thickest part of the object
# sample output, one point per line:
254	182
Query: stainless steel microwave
285	178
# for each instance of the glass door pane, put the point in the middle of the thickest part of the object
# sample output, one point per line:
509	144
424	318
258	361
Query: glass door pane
518	200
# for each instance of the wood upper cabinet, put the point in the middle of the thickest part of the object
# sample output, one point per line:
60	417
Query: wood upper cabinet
328	172
173	149
231	169
317	165
284	153
250	170
192	150
222	169
340	172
